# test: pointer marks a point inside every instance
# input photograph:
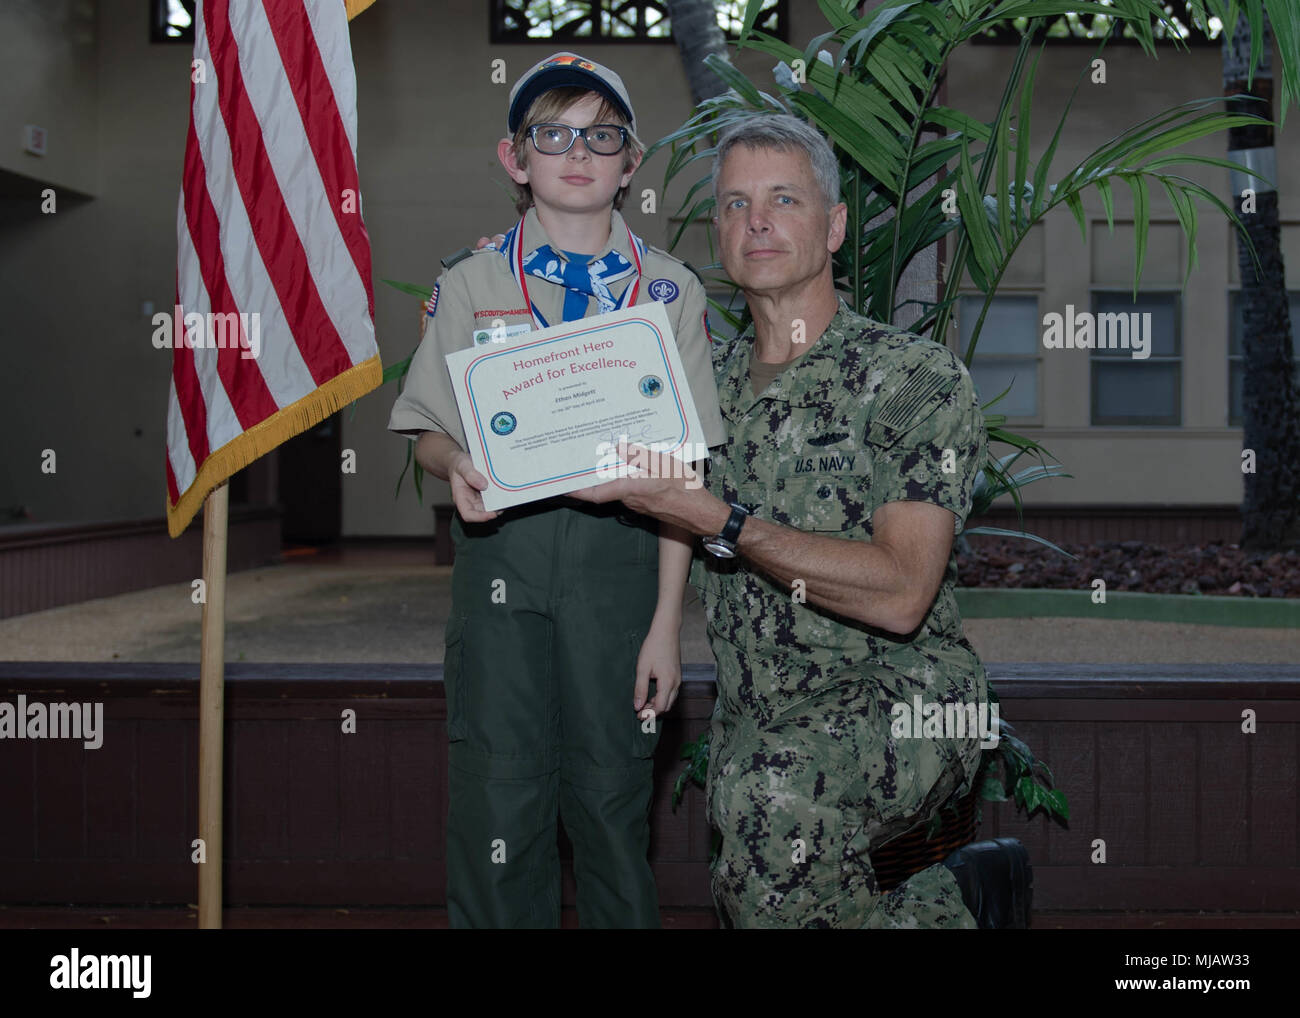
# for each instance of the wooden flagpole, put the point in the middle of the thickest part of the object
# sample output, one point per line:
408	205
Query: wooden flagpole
212	681
212	687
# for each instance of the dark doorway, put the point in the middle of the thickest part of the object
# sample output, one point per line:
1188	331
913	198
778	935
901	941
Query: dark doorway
311	485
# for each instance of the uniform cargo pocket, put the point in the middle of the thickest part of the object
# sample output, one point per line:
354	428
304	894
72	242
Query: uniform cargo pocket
453	678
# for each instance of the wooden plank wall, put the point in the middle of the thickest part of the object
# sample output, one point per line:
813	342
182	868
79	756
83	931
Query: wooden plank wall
47	566
1194	813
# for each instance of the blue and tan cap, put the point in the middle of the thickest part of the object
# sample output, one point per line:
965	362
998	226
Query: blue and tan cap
563	70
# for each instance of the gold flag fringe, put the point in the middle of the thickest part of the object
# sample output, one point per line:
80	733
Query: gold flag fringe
355	7
263	437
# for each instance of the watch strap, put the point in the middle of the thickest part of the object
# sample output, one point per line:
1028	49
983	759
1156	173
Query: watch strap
731	529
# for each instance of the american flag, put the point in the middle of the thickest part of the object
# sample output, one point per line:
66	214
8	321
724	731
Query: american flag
273	324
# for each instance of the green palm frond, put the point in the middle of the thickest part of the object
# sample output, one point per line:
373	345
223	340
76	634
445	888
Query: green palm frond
876	98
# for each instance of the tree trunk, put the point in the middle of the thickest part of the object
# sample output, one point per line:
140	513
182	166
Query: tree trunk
696	32
1270	404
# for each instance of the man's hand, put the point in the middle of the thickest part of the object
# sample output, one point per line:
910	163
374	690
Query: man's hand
494	243
662	487
467	485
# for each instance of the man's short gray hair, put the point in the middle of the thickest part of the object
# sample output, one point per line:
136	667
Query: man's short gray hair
787	133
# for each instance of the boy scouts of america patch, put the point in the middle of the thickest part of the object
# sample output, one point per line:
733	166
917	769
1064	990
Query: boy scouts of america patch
431	305
663	290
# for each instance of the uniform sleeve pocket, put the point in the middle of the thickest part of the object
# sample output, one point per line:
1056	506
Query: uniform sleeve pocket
815	504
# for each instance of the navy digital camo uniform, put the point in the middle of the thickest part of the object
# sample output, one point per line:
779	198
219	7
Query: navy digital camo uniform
805	778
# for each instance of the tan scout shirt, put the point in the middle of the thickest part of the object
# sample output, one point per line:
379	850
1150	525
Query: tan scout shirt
479	291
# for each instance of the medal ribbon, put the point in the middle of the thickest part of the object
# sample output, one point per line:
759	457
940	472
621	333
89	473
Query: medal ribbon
513	249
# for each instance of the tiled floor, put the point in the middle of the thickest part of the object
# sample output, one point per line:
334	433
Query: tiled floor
386	601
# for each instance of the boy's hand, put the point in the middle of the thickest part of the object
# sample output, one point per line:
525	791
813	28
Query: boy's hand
466	487
660	659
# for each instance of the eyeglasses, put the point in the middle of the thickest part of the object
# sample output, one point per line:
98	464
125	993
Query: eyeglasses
556	139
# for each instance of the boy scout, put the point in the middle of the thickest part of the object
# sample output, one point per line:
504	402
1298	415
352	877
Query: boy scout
559	610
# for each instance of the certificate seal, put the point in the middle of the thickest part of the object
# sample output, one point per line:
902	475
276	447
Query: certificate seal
503	422
650	386
663	290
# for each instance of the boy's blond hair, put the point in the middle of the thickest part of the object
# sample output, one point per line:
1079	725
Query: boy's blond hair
544	110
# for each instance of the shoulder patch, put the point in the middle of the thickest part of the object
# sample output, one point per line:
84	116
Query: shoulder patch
923	383
459	256
663	290
431	305
650	248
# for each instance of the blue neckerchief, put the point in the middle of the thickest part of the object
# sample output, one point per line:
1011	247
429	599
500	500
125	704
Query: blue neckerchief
580	281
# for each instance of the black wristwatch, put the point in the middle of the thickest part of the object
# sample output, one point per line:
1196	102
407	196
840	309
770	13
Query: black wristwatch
723	545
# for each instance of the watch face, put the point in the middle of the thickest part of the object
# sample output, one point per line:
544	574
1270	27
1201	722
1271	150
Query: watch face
720	548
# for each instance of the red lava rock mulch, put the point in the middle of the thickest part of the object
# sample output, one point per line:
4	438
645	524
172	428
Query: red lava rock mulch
1130	565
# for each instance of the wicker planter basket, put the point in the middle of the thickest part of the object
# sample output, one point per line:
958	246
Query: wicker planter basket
910	853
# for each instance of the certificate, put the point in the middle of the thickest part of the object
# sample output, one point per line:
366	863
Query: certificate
543	411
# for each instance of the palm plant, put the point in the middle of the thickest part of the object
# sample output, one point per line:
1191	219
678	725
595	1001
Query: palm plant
396	372
877	98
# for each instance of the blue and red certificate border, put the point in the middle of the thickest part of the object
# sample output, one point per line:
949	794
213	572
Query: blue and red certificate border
514	351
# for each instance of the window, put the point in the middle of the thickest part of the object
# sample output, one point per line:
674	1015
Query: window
171	21
1091	28
558	21
1128	389
1236	362
1007	353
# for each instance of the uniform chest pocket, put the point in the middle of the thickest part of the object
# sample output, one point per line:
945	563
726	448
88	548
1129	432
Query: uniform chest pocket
820	504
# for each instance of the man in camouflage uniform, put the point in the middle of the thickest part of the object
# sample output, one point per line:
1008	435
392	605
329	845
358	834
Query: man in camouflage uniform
853	449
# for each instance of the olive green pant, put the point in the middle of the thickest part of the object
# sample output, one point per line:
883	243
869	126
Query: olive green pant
550	604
